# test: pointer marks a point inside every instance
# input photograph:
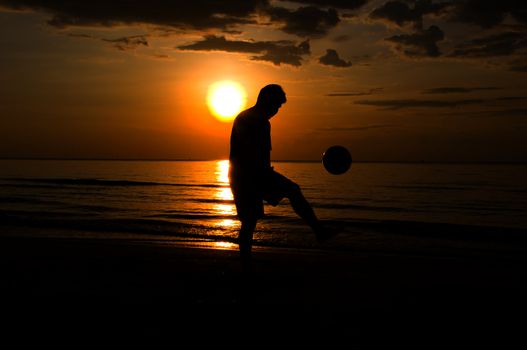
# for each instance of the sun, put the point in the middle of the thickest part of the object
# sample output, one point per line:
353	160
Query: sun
226	99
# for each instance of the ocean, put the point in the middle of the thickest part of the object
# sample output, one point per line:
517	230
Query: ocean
382	206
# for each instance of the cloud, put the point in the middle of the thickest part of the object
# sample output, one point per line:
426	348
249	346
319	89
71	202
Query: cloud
361	93
501	44
356	128
312	19
309	21
198	14
513	112
277	52
400	104
420	44
342	4
342	38
128	43
400	12
507	18
331	58
500	113
457	90
512	98
487	14
519	68
123	44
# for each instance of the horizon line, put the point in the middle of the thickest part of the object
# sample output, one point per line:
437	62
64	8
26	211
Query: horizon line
277	160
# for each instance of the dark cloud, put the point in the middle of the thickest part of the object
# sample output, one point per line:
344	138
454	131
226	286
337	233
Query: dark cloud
500	113
307	21
341	38
124	43
343	4
220	43
400	104
277	52
198	14
457	90
512	98
515	112
420	44
502	44
400	12
331	58
483	13
356	128
314	18
80	35
396	12
519	68
487	14
361	93
128	43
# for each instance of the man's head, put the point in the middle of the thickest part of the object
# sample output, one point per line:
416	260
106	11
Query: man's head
270	99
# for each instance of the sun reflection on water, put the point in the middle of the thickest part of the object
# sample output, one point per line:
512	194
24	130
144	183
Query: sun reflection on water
225	245
224	194
222	171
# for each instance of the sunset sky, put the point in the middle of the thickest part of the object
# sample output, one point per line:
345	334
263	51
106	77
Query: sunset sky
391	80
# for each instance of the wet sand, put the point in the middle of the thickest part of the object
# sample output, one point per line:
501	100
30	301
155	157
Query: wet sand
56	288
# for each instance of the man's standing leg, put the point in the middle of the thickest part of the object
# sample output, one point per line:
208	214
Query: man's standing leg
245	242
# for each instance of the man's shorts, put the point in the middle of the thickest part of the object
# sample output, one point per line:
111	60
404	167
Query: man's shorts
249	194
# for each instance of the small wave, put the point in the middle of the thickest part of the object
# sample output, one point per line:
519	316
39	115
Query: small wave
101	182
192	216
359	207
515	191
28	185
480	209
95	208
22	200
29	215
213	200
432	187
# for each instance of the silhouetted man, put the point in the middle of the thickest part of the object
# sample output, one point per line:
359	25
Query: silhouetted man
251	175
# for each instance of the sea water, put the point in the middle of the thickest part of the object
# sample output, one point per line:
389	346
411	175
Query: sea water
192	201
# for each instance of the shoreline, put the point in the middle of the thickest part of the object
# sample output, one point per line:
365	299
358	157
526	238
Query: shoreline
390	238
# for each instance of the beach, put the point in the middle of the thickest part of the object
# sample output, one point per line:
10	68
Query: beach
57	288
141	142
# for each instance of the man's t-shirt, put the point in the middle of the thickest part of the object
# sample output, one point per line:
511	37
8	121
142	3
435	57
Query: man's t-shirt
250	153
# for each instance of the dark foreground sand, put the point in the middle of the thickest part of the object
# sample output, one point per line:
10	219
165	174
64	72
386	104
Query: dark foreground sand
89	290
